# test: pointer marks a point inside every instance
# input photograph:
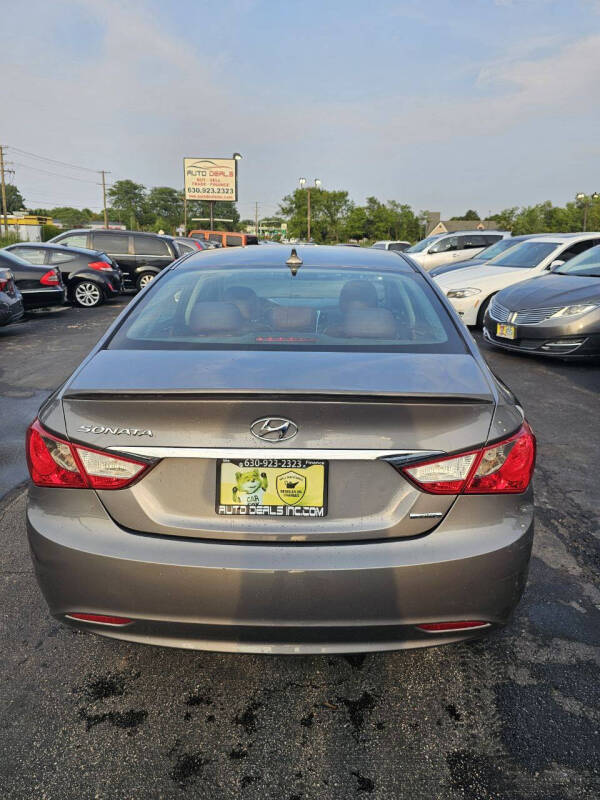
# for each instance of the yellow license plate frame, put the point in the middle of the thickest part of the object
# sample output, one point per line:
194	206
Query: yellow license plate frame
272	487
506	331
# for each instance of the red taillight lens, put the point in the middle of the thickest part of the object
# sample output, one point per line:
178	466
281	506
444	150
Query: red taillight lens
505	467
441	627
50	461
50	278
55	462
102	266
3	285
103	619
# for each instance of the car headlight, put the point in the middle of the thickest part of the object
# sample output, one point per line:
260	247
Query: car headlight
459	293
575	311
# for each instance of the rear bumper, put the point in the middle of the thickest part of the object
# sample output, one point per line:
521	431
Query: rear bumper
11	310
43	298
281	598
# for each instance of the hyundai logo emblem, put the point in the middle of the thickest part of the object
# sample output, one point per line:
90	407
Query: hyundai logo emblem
273	429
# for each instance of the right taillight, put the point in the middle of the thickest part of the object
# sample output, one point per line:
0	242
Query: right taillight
55	462
50	278
505	467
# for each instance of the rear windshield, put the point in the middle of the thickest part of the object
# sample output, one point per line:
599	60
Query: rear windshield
525	255
268	308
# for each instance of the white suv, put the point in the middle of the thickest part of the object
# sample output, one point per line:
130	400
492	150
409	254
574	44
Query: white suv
447	247
391	244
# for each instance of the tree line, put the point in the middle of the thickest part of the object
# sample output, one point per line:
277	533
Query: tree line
334	216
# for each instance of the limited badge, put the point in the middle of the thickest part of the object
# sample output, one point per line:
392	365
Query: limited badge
291	487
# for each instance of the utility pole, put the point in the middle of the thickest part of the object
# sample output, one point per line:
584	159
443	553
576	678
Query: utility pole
103	173
3	184
256	217
302	183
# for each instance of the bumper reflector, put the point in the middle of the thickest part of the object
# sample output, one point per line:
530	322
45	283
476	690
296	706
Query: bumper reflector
102	619
442	627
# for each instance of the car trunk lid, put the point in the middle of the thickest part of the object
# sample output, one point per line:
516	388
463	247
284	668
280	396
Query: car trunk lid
191	409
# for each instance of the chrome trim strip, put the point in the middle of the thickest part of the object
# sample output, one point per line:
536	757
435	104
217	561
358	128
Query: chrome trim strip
398	456
427	515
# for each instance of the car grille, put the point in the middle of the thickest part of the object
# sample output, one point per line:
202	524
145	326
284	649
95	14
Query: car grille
526	316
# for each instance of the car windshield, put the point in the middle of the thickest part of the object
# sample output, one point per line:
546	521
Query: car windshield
495	249
420	246
585	264
266	308
524	256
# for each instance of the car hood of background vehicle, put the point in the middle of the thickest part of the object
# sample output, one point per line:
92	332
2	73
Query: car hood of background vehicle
271	372
471	262
551	290
479	275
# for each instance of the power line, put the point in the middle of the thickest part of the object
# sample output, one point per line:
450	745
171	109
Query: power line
51	160
56	174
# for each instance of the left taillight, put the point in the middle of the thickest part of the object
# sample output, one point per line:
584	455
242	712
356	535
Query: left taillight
50	278
101	266
505	467
56	462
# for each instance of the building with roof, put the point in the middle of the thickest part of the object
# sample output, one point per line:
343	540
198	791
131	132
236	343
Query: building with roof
436	225
27	227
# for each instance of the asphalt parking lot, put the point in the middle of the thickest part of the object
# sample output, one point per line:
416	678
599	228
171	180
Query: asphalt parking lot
513	716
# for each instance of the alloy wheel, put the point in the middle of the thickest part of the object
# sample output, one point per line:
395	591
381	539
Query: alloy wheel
87	294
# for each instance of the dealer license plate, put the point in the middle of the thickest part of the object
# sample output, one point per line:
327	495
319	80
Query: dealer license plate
271	487
506	331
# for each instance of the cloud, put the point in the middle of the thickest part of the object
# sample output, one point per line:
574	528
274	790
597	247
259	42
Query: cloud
141	96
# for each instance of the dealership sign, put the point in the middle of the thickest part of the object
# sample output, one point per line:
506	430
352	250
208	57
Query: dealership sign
210	178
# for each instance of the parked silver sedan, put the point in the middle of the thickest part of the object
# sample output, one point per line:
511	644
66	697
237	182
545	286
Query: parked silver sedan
286	452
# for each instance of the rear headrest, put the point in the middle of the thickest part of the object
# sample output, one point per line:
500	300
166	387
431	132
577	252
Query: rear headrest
369	323
245	299
208	317
357	294
292	318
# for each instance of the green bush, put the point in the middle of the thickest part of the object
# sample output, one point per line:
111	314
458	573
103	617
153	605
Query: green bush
49	232
11	238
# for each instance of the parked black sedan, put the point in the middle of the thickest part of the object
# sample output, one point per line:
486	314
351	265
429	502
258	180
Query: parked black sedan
11	300
41	286
90	276
554	315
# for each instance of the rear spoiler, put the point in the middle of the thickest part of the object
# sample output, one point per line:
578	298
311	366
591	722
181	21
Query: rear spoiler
267	394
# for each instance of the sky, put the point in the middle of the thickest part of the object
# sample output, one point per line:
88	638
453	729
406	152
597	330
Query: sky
445	105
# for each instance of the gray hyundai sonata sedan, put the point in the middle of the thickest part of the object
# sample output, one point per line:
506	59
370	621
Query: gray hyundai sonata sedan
284	452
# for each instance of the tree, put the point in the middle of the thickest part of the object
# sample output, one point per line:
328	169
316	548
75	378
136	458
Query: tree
71	217
506	219
328	211
222	208
166	205
128	200
469	216
14	199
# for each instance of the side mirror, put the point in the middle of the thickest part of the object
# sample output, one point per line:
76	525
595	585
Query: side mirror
554	265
